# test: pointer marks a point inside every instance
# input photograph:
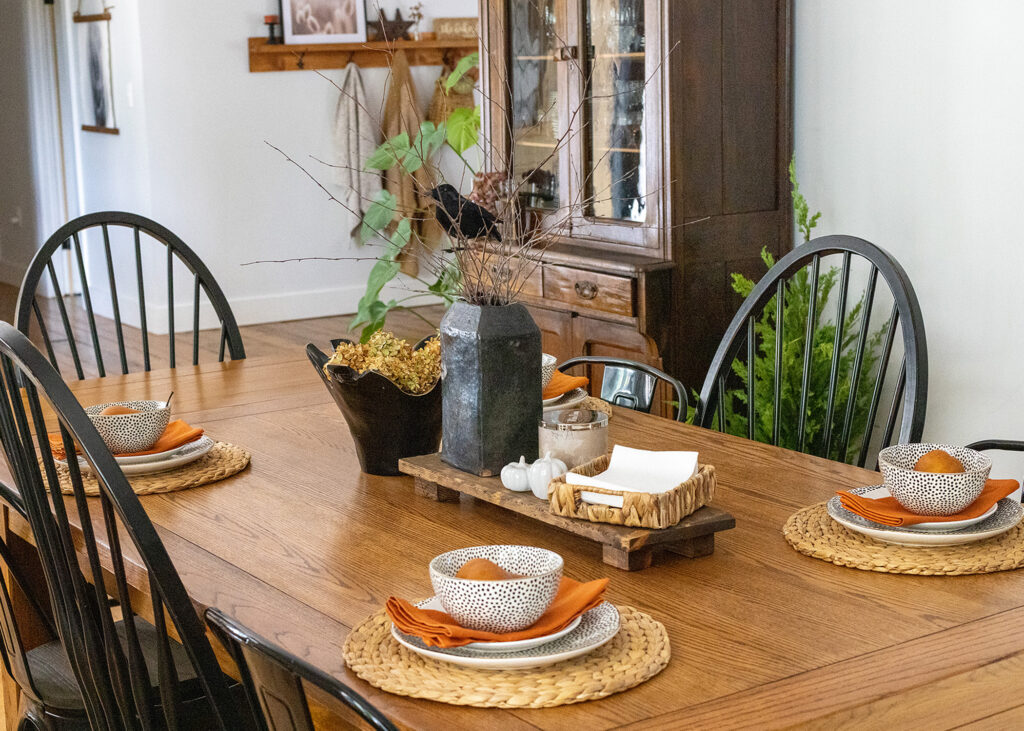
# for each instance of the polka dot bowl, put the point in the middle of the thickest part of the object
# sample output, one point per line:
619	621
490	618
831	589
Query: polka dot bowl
547	369
506	605
933	493
125	433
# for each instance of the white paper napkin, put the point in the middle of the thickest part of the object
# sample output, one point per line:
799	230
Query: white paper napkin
637	470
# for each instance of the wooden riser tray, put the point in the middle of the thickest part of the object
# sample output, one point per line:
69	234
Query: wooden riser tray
624	548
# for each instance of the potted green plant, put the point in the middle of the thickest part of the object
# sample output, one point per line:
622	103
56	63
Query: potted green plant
796	305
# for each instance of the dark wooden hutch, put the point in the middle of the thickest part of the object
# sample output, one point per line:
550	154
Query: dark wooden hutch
679	137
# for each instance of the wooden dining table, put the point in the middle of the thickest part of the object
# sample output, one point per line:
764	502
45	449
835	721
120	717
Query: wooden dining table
301	546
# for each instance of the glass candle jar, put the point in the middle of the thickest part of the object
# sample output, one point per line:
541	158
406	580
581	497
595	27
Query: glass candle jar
574	436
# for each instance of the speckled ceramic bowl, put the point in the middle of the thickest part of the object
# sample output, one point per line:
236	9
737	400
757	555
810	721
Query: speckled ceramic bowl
933	493
131	432
506	605
547	369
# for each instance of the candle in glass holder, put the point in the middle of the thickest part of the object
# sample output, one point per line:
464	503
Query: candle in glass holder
574	436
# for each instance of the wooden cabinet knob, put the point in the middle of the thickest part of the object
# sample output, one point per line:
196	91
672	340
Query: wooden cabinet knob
586	290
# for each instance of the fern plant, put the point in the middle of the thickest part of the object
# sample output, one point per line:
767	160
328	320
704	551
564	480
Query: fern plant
795	311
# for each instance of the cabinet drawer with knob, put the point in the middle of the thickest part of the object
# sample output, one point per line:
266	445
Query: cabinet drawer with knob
529	278
589	290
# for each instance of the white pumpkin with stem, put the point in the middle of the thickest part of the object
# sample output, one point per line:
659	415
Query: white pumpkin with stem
543	471
515	475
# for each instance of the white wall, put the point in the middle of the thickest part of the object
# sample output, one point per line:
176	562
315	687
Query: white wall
18	227
908	133
210	177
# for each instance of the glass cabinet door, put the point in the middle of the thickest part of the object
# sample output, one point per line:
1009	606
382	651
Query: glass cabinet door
614	178
534	114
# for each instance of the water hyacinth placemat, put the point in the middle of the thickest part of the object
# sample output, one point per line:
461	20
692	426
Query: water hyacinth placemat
637	653
223	460
812	532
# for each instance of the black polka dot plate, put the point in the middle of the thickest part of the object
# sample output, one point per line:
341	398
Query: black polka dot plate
596	627
1007	514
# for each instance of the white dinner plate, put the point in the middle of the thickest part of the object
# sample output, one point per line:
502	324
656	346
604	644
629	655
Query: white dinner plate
596	627
1008	514
566	399
158	457
881	491
172	459
435	603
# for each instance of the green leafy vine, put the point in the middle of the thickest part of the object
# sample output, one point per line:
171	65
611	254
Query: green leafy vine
460	133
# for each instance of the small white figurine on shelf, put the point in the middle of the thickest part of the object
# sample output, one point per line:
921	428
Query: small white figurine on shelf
515	475
543	471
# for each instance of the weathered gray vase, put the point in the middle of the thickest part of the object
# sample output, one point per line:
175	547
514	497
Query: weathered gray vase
490	385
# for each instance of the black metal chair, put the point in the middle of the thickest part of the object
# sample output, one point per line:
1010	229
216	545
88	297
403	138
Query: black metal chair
630	383
52	696
130	673
999	445
788	319
273	680
70	235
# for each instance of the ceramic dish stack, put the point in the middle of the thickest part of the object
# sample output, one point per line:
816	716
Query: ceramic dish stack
146	464
507	605
583	635
566	400
931	494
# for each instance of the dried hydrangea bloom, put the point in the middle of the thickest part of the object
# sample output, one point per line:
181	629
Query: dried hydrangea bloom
413	371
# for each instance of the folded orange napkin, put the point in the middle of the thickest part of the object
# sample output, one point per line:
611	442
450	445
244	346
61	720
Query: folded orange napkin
438	629
888	511
560	384
177	433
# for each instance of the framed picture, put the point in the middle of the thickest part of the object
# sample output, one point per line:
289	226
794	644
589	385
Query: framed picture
324	21
95	74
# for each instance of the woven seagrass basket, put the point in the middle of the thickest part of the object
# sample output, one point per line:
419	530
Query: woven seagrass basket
639	509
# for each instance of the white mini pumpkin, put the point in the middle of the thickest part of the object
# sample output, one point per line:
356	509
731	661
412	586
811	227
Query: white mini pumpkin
515	475
543	471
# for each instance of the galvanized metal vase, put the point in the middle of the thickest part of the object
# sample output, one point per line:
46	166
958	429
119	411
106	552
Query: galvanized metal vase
490	385
386	423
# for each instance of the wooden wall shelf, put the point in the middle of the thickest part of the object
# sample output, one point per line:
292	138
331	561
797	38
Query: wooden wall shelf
265	56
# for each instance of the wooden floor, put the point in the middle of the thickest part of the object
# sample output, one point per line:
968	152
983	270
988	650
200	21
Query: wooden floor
259	340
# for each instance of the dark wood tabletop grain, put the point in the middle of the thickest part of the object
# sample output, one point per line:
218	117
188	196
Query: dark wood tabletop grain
301	546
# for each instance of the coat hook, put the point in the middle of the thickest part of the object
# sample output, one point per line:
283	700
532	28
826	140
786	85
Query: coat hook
351	55
301	62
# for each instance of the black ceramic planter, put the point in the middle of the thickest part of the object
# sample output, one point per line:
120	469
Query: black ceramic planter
491	381
387	424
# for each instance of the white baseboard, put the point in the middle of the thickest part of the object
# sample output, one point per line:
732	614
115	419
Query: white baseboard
256	310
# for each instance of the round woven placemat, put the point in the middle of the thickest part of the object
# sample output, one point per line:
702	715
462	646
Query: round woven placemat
637	653
223	460
813	533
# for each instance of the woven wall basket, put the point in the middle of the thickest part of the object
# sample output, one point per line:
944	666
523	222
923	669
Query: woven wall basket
639	509
443	103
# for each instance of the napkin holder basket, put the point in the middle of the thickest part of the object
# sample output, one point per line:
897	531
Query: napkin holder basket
639	509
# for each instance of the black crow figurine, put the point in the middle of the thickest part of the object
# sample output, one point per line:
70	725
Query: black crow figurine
461	217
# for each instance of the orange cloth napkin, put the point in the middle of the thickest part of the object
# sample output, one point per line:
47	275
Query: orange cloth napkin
888	511
438	629
561	383
177	433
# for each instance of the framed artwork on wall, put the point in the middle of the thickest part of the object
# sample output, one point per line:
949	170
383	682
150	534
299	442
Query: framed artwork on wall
95	73
323	21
